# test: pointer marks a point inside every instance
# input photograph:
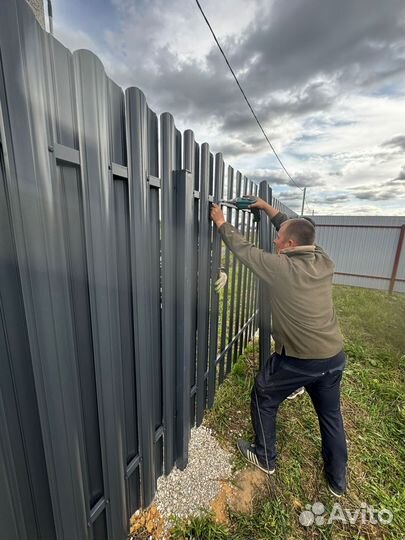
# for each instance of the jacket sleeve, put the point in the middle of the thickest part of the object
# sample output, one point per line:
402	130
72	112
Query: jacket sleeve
278	220
265	265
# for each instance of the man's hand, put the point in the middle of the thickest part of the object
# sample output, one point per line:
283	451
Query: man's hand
263	205
260	204
217	215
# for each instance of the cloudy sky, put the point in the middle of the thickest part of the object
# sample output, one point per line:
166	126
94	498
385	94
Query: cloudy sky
326	78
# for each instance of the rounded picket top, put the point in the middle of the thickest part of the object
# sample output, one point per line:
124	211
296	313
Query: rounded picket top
189	150
133	94
167	117
88	61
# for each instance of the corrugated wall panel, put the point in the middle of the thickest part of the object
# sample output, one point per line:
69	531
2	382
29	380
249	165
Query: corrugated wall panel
363	246
400	285
380	221
359	252
367	283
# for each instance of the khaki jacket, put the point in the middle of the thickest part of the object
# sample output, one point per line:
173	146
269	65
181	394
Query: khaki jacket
300	287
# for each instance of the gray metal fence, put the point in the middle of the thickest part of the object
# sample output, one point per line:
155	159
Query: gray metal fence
368	250
112	338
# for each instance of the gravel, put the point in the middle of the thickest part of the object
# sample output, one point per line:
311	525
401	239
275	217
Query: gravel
183	493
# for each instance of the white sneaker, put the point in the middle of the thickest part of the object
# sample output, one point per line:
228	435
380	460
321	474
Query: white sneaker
335	492
297	393
248	451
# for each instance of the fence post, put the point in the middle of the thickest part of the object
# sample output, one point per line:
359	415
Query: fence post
216	262
264	294
184	311
397	259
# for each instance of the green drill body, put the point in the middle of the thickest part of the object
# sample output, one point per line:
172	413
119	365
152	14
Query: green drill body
243	203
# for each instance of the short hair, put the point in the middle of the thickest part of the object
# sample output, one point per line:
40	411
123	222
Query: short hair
309	219
301	230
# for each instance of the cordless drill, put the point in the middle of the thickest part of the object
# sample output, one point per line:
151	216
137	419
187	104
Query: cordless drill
243	203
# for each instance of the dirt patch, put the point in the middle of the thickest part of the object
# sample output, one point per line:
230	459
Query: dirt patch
248	484
147	524
238	494
221	502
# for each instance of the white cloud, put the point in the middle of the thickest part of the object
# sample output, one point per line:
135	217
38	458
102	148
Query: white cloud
330	97
73	38
177	26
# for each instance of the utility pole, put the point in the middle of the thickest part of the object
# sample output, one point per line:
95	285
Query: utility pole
303	201
50	16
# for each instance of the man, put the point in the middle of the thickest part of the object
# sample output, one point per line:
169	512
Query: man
308	342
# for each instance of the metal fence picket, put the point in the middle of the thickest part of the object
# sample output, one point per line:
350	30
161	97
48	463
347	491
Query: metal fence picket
204	233
184	286
155	295
189	164
245	232
216	262
263	296
168	276
225	311
238	219
139	207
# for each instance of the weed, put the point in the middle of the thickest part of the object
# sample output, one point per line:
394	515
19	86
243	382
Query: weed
202	527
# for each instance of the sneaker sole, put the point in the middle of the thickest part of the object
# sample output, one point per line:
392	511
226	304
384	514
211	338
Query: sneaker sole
297	394
257	464
338	495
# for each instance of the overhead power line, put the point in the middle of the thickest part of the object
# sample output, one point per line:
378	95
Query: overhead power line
246	99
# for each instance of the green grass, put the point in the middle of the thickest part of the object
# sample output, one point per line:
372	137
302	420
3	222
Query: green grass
203	526
373	390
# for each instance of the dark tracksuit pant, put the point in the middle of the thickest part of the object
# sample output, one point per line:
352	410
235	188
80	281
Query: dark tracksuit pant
278	378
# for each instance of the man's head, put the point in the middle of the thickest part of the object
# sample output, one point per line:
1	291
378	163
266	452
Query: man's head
295	232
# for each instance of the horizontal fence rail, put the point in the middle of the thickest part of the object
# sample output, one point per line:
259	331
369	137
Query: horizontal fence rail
113	339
